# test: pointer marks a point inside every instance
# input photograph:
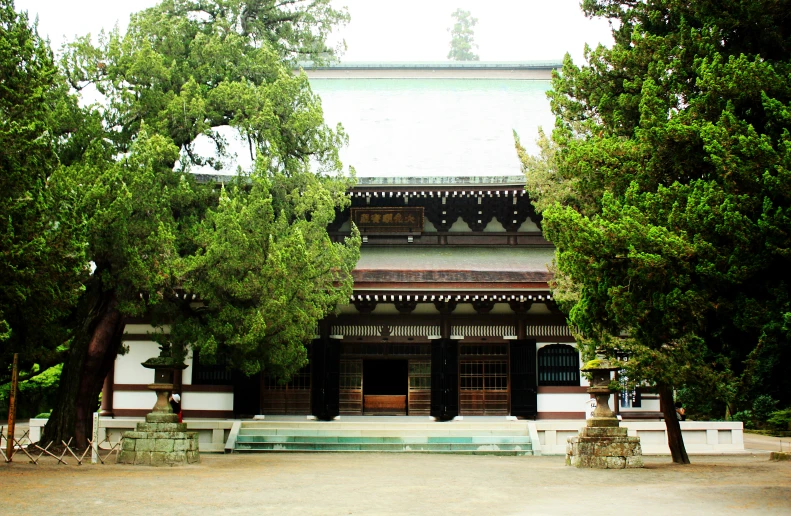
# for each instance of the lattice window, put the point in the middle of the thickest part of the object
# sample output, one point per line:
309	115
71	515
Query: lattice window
419	375
481	350
351	375
628	397
210	374
480	375
300	381
558	364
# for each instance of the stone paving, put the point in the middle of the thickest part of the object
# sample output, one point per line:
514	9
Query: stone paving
380	483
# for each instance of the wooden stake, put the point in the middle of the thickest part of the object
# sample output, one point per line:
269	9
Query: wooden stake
12	409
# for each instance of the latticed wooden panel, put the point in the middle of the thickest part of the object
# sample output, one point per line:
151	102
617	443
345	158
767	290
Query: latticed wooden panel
483	387
419	387
558	364
286	398
351	388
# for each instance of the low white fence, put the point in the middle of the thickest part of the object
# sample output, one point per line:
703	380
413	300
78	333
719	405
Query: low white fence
700	437
212	433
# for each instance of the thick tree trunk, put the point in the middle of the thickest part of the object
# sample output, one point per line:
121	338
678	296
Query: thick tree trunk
83	375
674	438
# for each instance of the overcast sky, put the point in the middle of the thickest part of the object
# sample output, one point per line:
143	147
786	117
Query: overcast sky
380	30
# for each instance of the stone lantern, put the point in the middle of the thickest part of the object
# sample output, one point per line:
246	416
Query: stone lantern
602	443
161	440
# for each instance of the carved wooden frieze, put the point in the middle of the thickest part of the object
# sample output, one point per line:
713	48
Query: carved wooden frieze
395	219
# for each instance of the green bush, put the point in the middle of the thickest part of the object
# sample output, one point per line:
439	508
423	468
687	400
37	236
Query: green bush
746	417
763	407
780	420
35	395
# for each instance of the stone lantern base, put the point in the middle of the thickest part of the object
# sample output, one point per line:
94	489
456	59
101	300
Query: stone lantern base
604	447
161	440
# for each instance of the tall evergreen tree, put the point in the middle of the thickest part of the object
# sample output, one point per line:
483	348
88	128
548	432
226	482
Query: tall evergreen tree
42	254
462	35
183	70
666	188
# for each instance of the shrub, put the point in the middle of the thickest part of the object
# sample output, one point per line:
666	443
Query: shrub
763	407
746	417
780	420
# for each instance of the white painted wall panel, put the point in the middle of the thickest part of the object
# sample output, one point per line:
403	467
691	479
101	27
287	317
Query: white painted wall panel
143	329
134	400
128	368
567	402
207	401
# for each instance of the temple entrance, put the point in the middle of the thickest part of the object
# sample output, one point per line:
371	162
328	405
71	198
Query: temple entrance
385	386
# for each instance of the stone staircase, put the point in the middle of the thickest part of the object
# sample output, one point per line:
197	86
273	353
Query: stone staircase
487	436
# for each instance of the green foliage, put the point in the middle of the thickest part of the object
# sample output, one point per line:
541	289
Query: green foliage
780	420
186	68
702	402
763	407
462	36
267	272
35	394
746	417
42	255
666	188
256	254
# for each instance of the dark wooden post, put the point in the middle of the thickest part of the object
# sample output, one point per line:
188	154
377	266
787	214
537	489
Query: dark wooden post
12	409
107	393
524	391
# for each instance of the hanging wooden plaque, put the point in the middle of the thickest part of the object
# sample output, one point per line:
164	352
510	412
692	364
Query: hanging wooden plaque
404	219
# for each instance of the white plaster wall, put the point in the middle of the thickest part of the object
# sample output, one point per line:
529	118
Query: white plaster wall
645	406
528	225
501	309
539	309
186	375
700	437
459	226
145	328
563	402
207	401
134	400
494	226
347	310
128	368
385	309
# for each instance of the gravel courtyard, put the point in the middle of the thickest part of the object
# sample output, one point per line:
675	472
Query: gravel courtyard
330	483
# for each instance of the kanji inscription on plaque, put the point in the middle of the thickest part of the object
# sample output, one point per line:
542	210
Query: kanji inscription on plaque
407	219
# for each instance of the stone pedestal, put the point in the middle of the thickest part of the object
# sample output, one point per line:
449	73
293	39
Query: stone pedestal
161	440
604	448
602	443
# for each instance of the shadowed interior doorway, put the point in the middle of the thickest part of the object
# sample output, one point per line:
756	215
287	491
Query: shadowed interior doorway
385	386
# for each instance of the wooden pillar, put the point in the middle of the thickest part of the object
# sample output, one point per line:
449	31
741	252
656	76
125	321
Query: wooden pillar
12	409
107	393
178	381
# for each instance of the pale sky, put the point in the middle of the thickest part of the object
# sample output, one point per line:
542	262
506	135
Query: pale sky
474	132
404	30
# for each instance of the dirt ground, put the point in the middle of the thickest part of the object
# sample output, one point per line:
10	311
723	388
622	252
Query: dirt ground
329	483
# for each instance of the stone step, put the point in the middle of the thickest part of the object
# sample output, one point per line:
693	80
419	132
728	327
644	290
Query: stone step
488	439
383	425
386	432
387	447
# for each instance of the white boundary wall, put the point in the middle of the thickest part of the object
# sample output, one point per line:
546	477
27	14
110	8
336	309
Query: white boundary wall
129	370
212	433
700	437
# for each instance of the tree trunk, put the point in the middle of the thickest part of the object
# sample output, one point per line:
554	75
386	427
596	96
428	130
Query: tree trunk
88	362
674	438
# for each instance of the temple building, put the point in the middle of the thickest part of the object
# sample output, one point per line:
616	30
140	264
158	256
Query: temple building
451	313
